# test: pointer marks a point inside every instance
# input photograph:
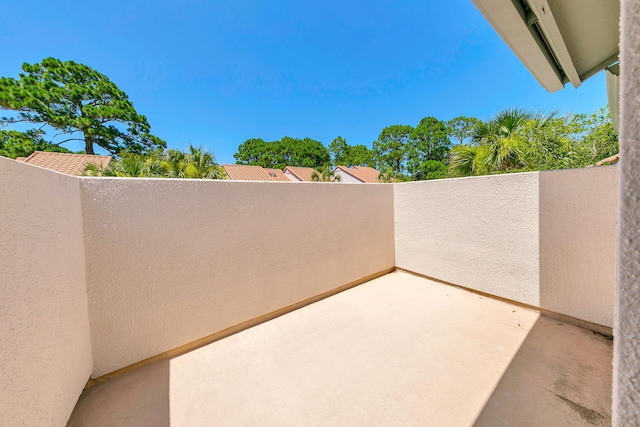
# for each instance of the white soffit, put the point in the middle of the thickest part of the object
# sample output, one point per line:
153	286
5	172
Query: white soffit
590	31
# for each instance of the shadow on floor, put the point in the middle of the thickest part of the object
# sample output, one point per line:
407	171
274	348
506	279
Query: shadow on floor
561	376
128	400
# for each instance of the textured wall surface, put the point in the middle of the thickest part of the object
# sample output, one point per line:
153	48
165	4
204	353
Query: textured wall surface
578	215
481	233
626	359
173	261
45	352
545	239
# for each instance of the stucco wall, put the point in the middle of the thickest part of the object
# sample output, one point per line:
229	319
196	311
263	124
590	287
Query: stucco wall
578	215
479	232
544	239
173	261
626	354
45	352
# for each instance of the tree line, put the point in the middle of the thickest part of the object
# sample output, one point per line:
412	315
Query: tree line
513	140
77	103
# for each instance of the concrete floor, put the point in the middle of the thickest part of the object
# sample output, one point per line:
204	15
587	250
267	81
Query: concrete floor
398	350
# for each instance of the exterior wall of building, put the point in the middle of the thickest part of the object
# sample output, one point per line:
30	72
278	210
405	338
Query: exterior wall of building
543	239
345	177
626	355
291	176
173	261
45	350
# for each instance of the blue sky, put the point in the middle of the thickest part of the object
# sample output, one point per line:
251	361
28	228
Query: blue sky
215	73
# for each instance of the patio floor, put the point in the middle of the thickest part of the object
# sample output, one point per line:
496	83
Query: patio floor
398	350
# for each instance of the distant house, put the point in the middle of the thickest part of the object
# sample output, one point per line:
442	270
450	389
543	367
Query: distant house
253	173
295	173
357	174
67	163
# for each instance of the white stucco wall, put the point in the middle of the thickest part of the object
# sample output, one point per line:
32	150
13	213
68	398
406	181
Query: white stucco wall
345	177
45	351
479	232
173	261
626	351
291	176
544	239
578	215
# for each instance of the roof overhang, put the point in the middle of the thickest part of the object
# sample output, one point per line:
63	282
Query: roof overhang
559	41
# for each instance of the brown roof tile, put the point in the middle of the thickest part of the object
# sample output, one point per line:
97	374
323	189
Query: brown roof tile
276	175
363	173
67	163
253	173
303	174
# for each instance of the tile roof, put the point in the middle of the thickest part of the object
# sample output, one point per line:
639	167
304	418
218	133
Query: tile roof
303	174
363	173
253	173
276	175
67	163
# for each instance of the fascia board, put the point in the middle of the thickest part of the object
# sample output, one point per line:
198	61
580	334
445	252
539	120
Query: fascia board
507	22
549	27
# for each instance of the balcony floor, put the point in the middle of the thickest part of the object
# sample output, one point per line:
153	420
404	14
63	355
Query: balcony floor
398	350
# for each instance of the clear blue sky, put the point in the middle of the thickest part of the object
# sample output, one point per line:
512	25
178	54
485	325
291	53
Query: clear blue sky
216	73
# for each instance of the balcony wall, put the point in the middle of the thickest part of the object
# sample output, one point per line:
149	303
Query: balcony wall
173	261
45	350
546	239
101	273
578	217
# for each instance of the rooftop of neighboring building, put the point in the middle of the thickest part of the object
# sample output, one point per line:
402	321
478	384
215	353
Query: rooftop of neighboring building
253	173
301	173
67	163
362	173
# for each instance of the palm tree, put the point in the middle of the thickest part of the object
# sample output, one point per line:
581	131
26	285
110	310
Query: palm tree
174	163
201	163
326	174
93	169
387	175
496	145
466	161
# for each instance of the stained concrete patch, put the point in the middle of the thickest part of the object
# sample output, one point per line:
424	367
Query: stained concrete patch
561	376
589	415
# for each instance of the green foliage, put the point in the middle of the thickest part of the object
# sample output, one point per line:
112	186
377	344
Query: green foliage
287	151
599	139
429	169
462	128
80	103
200	163
196	163
405	152
343	154
360	155
326	174
392	149
428	149
339	151
465	160
22	144
516	140
257	152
